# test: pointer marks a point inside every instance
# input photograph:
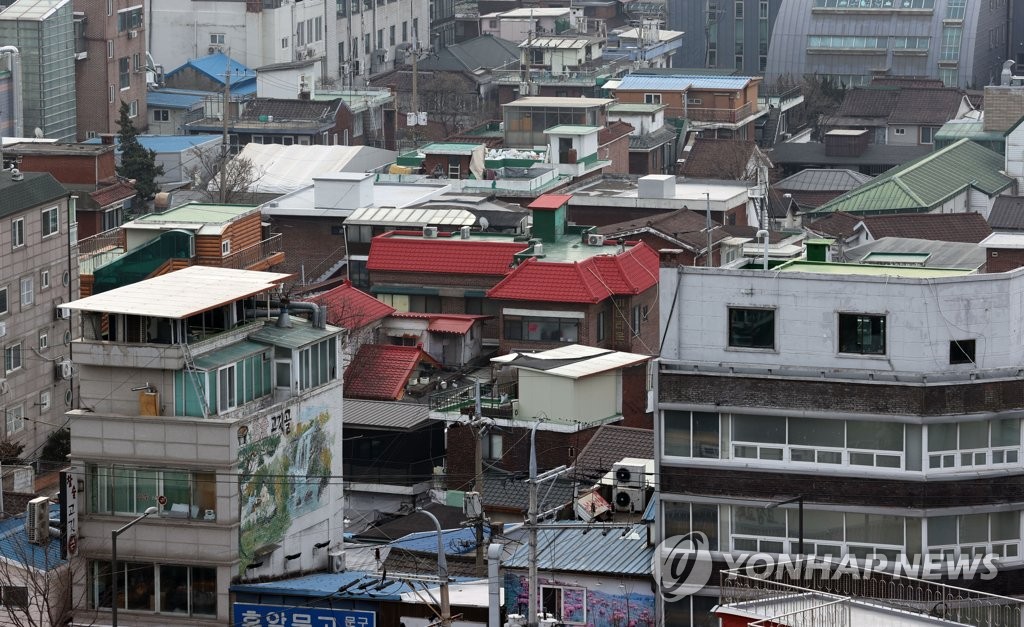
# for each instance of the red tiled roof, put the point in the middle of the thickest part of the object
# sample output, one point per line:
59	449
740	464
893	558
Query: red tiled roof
380	372
589	281
549	201
112	193
351	308
442	255
613	131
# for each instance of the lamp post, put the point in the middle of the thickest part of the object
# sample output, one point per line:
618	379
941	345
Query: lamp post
442	572
799	500
113	562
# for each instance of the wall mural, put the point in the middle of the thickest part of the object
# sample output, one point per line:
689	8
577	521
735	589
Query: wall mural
285	466
576	605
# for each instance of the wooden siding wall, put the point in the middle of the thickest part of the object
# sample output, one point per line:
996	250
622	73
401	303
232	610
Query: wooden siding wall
243	233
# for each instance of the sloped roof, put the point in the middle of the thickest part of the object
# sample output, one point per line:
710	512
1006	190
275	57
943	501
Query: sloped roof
822	179
836	224
35	189
449	256
112	193
484	51
682	225
1007	213
14	545
510	493
614	130
681	82
589	281
351	308
717	158
380	371
287	168
905	105
609	445
619	552
385	415
943	227
215	65
458	324
965	256
402	526
928	181
292	109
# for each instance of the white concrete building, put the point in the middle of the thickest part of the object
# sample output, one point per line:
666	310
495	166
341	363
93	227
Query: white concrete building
352	38
201	401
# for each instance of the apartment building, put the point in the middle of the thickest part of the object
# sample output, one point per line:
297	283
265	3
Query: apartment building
882	402
204	399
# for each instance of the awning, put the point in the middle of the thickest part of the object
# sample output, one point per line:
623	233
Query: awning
458	326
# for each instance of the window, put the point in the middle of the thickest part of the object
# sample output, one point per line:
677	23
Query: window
226	395
899	131
974	535
884	5
380	38
225	247
961	352
217	39
44	279
133	108
366	44
652	98
541	329
862	334
341	52
110	48
17	233
318	28
44	340
955	9
110	93
161	115
111	218
600	325
692	434
949	50
14	596
27	291
318	364
637	317
126	491
405	32
183	590
491	444
968	445
284	42
3	300
415	27
300	35
751	328
15	419
51	222
694	101
129	19
124	74
44	400
568	605
841	42
391	35
928	134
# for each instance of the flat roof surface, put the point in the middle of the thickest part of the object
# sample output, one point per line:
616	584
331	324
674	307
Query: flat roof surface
181	294
573	361
635	107
909	272
195	212
411	217
449	148
571	129
1001	239
31	9
553	101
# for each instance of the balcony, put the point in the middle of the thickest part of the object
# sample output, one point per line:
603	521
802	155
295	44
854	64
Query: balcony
151	355
495	400
261	256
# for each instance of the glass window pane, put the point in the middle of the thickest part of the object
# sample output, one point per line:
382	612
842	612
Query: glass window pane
1006	526
204	494
174	589
101	584
1006	432
886	436
204	591
705	434
942	530
874	528
974	528
677	433
145	490
974	434
942	437
124	490
140	588
759	521
816	432
912	448
747	428
818	525
752	328
177	491
677	517
705	519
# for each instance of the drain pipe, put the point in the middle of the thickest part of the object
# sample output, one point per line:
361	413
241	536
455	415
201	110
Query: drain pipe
494	585
763	233
318	314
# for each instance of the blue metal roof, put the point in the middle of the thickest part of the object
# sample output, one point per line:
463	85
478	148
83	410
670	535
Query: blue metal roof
651	511
160	99
14	544
215	65
165	143
456	541
679	82
588	550
348	585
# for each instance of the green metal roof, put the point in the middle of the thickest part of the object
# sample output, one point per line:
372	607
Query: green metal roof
301	334
449	148
926	182
908	272
230	354
198	212
970	129
571	129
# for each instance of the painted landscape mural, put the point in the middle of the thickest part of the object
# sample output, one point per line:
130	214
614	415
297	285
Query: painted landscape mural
576	605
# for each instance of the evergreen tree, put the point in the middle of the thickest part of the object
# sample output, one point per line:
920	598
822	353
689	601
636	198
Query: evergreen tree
136	162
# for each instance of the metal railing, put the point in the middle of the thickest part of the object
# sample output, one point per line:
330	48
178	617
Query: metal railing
101	242
808	592
494	398
253	254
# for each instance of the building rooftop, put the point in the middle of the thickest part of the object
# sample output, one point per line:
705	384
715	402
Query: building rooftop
574	361
636	108
381	371
404	251
207	219
351	308
907	272
35	189
930	253
1007	213
346	585
173	98
552	101
37	10
215	65
448	148
580	549
389	415
181	294
822	179
682	82
947	227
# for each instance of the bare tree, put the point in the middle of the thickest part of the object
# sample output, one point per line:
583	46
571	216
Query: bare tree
240	176
36	585
452	101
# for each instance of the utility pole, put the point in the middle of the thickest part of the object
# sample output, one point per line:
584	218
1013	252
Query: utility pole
222	188
442	572
534	602
707	218
478	485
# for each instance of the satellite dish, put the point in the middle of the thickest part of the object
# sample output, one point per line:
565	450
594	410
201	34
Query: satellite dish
484	223
39	133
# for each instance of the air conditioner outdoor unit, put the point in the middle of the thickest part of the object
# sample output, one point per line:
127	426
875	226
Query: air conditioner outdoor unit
37	522
515	408
629	499
593	239
212	49
64	370
132	34
629	476
337	561
430	232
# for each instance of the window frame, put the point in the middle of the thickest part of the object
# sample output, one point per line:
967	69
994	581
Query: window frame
50	218
4	302
14	419
859	318
27	289
17	233
731	341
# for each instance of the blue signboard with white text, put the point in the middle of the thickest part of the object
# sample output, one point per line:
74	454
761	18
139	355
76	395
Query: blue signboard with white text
254	615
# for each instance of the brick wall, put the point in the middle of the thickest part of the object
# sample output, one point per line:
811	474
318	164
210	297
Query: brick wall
72	169
617	151
600	216
423	279
1003	260
308	244
870	398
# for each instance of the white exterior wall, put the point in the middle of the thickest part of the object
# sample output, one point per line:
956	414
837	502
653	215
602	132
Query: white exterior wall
1015	155
923	316
367	22
560	398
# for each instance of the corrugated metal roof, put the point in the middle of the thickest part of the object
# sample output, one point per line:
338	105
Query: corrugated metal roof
571	362
301	334
681	82
562	43
961	255
411	217
327	585
559	101
585	550
181	294
14	545
169	100
454	541
384	414
229	354
820	179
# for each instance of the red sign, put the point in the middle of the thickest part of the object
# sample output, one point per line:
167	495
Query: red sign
73	545
161	500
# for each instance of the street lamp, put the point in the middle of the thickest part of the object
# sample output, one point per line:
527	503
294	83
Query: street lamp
442	571
113	562
799	500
